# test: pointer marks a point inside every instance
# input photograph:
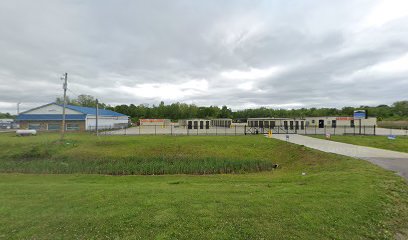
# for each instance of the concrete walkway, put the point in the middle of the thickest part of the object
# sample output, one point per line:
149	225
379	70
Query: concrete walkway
391	160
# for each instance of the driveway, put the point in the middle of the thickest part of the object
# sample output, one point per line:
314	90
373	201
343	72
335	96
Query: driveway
391	160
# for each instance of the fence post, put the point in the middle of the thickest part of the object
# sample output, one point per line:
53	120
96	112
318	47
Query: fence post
334	131
325	130
244	129
235	130
154	129
364	130
315	130
171	130
197	130
374	130
216	131
139	128
225	131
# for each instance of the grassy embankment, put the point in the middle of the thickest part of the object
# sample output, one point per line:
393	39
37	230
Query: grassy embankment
119	155
339	198
399	144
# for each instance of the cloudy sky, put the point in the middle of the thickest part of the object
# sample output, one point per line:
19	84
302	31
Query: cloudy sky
290	54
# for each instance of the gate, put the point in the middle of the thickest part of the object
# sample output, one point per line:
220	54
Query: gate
275	130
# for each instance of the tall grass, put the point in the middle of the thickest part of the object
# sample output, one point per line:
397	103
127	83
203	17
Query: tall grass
135	165
132	155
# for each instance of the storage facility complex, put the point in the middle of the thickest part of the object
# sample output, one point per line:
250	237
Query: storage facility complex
49	118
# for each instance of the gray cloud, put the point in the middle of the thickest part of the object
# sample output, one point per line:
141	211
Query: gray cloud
209	53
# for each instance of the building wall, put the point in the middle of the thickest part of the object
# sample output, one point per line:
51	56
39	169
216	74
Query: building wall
51	109
44	124
340	121
105	122
185	123
221	122
155	122
276	122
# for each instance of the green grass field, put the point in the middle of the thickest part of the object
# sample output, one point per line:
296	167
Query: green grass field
338	198
400	144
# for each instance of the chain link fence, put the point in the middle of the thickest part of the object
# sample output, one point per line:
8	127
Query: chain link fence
235	130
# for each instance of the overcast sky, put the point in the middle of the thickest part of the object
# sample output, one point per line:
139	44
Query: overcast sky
288	54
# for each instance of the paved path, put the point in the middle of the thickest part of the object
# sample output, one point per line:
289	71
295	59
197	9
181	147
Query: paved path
391	160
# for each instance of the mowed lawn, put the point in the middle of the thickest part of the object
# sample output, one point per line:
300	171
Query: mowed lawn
338	198
399	144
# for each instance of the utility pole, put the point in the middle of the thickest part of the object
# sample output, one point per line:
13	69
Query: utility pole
97	113
64	86
18	108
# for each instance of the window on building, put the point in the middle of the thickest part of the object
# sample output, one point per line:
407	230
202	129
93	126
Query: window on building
54	126
72	127
34	126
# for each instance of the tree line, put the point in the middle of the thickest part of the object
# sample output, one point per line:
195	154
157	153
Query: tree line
175	111
396	111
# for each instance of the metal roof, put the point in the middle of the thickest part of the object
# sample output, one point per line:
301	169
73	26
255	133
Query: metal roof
50	117
92	111
84	110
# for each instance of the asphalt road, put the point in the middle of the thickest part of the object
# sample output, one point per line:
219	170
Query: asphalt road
391	160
